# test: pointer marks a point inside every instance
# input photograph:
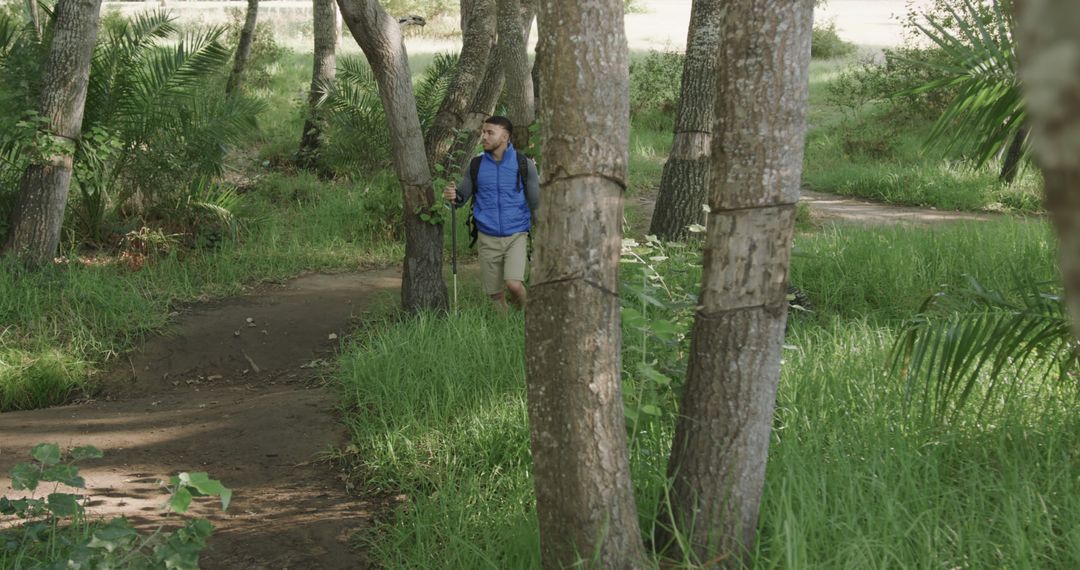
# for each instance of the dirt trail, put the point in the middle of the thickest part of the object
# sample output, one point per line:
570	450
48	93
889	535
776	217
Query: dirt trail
833	208
241	400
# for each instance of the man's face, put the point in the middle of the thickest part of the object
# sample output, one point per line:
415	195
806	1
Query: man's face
493	136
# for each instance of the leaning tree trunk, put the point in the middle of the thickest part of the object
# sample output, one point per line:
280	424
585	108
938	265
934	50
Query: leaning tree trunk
243	47
721	440
480	108
512	52
686	173
324	18
34	231
379	36
584	498
1049	56
1011	165
478	35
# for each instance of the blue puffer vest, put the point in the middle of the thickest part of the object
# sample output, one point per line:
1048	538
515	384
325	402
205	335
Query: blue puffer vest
499	205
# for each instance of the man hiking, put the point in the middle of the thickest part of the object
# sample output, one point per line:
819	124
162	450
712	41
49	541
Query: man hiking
505	190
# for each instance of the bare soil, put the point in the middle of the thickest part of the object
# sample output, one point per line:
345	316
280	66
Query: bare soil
233	388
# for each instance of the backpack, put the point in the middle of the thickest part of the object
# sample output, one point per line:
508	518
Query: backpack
474	174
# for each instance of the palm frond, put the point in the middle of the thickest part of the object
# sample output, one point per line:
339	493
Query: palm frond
988	343
988	110
433	87
9	33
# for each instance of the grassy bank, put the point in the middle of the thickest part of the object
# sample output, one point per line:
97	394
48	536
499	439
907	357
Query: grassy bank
863	146
852	481
62	323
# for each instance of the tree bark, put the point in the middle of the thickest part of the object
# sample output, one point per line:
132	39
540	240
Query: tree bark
584	496
35	18
1015	152
512	52
34	229
323	71
718	455
686	174
478	38
243	47
1049	57
379	36
480	108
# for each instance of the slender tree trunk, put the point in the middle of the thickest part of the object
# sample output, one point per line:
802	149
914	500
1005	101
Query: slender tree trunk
1011	166
584	497
34	230
35	17
478	38
512	52
379	36
480	108
324	17
1049	50
722	436
686	174
243	48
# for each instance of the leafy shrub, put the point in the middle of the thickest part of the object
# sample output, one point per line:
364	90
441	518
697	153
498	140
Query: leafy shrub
825	43
655	82
893	82
54	528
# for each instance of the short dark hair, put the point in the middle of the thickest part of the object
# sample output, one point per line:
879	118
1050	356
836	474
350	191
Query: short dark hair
501	121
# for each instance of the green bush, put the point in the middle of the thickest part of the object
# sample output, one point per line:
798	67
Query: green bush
825	43
655	82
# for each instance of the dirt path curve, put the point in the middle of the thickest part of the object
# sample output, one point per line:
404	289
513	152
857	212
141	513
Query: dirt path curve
833	208
239	399
829	207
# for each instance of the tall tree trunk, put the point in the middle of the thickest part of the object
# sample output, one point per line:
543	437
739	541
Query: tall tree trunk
35	17
512	52
478	38
584	497
34	230
1049	56
1015	152
686	174
480	108
324	18
243	48
379	36
721	440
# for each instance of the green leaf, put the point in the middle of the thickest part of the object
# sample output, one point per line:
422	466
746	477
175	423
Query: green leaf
86	452
201	482
65	474
180	500
652	375
24	476
46	453
117	534
650	409
64	504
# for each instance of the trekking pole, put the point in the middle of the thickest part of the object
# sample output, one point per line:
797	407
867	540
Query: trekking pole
453	249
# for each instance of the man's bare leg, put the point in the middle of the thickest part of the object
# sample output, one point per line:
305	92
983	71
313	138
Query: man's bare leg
517	293
500	302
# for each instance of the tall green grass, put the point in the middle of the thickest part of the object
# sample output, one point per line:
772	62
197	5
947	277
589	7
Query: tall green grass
437	411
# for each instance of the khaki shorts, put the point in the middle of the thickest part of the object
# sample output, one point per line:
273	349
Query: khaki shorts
501	259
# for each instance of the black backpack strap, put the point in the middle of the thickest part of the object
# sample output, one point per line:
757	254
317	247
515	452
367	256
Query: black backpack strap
523	169
470	222
474	171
